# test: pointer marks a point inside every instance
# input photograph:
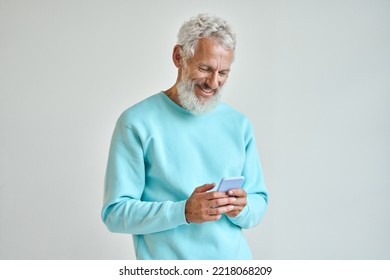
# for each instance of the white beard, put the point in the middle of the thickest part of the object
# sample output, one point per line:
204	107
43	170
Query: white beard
191	102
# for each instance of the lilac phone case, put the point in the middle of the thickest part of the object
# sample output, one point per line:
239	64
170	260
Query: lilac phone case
230	183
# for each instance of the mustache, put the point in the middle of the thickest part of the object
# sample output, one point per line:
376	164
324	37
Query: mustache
205	86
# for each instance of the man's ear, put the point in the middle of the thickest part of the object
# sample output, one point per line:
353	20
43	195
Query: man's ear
176	57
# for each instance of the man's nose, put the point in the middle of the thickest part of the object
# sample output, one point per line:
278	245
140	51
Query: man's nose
213	80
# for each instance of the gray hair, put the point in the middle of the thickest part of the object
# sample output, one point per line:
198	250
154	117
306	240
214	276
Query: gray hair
204	26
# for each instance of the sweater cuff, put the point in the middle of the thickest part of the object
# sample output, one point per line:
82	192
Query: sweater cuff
176	213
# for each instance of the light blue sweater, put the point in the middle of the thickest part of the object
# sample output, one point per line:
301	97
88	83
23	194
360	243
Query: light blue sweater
159	154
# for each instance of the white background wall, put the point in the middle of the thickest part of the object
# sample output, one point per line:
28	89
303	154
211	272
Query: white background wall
313	76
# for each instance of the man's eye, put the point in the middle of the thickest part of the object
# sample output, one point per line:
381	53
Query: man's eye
204	69
223	74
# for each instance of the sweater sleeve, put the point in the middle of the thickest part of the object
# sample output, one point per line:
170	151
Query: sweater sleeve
123	210
257	194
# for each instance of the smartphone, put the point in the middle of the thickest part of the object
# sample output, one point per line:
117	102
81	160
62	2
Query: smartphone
229	183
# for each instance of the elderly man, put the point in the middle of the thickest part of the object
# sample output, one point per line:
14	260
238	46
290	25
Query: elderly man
168	151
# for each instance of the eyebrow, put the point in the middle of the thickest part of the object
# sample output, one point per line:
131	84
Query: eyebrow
202	64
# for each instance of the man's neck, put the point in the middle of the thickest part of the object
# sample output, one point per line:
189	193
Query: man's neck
172	94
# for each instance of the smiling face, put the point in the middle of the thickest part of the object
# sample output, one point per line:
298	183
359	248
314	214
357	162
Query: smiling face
208	69
201	77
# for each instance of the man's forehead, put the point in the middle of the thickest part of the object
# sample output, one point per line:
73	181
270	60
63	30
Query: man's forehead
211	49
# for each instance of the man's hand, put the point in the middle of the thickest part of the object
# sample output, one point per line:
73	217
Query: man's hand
239	203
203	206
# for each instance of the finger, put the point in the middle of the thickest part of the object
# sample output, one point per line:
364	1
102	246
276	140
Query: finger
204	188
234	212
220	210
216	195
240	202
237	192
222	202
